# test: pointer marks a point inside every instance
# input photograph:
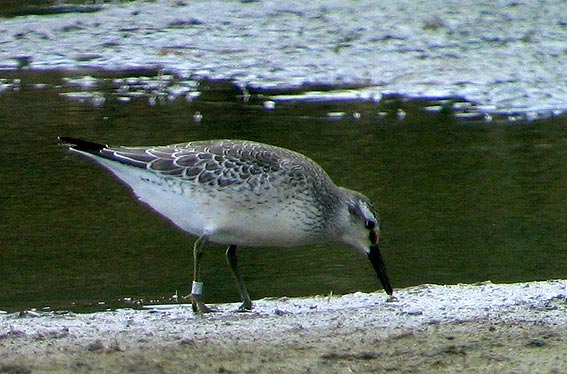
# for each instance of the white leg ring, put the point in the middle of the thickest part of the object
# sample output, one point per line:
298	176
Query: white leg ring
197	288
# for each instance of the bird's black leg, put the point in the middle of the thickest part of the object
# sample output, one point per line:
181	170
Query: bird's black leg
233	262
197	286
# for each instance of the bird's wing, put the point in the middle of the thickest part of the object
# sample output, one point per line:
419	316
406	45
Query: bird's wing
221	163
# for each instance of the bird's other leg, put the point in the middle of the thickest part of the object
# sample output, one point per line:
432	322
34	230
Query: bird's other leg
197	286
233	262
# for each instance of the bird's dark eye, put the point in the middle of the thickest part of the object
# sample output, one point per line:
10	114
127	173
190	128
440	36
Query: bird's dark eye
370	224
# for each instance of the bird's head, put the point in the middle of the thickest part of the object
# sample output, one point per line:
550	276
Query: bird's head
359	226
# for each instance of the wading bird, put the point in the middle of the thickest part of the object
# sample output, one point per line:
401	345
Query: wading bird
242	193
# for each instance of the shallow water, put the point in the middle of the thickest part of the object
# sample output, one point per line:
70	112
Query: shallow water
461	201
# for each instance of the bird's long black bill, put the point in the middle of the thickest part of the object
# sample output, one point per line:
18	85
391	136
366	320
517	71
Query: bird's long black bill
377	261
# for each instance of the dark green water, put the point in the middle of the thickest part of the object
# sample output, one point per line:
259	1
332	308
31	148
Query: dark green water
461	202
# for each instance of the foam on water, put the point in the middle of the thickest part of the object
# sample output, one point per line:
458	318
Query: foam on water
508	58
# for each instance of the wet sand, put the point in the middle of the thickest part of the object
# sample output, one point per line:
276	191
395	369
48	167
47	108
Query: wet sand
518	328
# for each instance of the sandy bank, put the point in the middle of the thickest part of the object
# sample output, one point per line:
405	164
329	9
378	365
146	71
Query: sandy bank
509	328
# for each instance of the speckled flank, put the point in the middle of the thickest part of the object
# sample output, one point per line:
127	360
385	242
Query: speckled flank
264	187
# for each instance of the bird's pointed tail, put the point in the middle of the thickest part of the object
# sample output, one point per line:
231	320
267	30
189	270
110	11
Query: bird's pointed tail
82	145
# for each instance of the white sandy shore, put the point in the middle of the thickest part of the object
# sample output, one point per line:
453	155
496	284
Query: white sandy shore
349	329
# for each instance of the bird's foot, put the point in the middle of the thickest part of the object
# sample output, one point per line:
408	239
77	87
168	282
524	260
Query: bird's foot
245	307
199	306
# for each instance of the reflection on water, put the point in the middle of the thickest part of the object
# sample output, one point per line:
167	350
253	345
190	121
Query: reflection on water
461	202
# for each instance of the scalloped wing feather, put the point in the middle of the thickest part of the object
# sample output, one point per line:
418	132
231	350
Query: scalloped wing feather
222	163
